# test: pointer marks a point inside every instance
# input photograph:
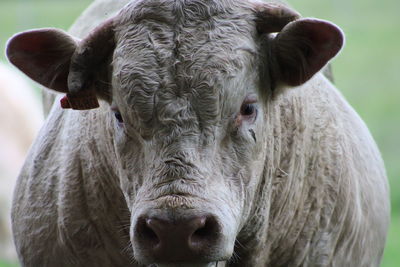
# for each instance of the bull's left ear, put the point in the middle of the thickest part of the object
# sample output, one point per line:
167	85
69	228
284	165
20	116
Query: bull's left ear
302	48
79	68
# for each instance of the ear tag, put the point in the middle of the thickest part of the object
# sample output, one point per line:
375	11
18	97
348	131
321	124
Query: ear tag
64	102
83	100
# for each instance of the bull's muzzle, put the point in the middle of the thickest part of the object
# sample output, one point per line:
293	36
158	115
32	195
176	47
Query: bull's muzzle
166	237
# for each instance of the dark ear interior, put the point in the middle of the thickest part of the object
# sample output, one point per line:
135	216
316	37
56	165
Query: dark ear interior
44	55
303	48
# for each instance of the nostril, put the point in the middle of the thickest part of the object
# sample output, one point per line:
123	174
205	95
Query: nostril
166	238
205	234
146	234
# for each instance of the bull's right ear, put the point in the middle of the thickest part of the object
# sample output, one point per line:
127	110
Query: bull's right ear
44	55
303	48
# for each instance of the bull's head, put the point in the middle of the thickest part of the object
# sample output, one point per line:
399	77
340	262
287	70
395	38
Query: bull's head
186	86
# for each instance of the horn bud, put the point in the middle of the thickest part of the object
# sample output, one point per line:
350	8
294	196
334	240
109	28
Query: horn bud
273	17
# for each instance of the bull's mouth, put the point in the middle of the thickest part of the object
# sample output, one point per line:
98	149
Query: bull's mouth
211	264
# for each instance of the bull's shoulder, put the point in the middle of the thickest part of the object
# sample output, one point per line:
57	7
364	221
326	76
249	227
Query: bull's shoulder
328	151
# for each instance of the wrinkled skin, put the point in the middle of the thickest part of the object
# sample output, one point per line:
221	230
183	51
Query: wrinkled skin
198	117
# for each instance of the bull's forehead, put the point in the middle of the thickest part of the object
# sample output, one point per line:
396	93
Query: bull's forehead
177	62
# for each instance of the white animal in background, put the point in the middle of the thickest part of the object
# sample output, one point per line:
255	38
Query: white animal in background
21	117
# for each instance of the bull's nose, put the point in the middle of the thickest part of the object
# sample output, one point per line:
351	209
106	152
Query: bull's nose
177	240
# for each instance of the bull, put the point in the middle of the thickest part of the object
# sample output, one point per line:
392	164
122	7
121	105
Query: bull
195	133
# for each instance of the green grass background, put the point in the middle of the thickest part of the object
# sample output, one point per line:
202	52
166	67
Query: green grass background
367	71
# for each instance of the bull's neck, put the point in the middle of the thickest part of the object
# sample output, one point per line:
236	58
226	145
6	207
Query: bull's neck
286	141
97	146
94	163
77	166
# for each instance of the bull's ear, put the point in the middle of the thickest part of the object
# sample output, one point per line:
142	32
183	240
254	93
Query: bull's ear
44	55
302	48
90	68
58	61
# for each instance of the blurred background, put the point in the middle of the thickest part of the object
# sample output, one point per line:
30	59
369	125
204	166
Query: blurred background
367	72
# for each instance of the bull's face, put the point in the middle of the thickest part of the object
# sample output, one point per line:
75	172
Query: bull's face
186	86
187	122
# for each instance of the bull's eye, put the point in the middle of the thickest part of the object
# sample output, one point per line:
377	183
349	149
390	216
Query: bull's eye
118	116
247	109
